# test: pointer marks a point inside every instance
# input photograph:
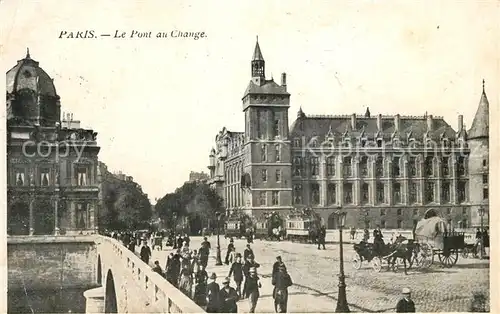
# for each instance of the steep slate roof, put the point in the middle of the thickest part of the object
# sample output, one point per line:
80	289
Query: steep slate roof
480	125
310	126
257	54
269	87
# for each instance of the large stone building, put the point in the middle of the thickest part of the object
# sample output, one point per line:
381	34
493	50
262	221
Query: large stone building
198	176
382	170
52	173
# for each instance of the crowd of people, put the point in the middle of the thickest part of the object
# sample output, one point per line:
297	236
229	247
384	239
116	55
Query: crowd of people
185	269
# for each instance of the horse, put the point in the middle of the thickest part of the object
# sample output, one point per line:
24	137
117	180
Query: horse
401	248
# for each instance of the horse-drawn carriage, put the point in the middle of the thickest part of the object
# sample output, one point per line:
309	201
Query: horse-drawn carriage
431	237
238	225
302	225
270	227
434	238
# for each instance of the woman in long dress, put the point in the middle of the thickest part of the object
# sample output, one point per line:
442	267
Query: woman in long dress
186	280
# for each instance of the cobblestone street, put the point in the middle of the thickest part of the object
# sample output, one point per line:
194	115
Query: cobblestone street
314	273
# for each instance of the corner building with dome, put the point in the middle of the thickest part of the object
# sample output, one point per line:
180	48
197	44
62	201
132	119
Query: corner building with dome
52	173
384	170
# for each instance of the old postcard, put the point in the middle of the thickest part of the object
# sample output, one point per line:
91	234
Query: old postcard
249	156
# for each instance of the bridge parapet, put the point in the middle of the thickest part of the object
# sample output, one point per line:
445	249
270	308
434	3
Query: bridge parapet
159	294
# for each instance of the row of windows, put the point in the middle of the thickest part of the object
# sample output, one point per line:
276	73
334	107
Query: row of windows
234	197
378	143
264	153
275	197
48	177
262	125
233	173
277	175
380	193
430	166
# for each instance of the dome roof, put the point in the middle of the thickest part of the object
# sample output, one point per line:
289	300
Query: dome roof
27	74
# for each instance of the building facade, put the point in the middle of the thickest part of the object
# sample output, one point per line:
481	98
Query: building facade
384	170
52	173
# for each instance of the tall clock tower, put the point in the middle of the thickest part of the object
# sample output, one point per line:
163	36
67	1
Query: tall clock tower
267	145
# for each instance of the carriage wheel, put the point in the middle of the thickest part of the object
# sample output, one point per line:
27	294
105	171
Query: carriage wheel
448	259
357	262
377	264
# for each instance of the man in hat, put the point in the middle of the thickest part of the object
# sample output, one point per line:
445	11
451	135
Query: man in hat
230	250
237	272
281	281
213	304
179	241
277	264
145	252
228	298
405	305
246	271
252	289
248	251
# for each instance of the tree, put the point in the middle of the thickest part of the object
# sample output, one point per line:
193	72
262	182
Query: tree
124	204
194	200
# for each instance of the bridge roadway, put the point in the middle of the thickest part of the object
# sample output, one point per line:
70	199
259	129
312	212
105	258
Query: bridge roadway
314	273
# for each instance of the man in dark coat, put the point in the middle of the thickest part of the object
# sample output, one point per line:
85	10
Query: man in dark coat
250	263
179	241
230	249
157	269
237	272
131	245
248	251
321	238
252	291
405	305
204	252
228	298
277	264
213	304
145	252
187	239
281	281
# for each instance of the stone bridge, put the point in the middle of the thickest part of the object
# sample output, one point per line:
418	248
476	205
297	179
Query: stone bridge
115	279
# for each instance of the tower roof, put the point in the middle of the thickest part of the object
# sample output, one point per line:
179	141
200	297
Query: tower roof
480	124
257	54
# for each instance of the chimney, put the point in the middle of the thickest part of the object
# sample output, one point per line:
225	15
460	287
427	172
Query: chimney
460	123
353	121
379	122
396	122
429	122
283	79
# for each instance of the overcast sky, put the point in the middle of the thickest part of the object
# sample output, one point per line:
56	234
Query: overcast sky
157	104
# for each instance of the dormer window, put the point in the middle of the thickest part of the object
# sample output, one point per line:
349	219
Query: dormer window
363	142
396	142
296	142
19	177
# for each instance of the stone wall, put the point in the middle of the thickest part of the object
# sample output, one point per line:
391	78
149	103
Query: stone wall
48	272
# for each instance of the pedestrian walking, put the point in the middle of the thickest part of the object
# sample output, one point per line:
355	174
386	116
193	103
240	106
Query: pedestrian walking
277	265
228	298
366	235
405	305
237	272
145	253
281	281
204	252
321	237
186	281
213	304
200	288
353	233
248	251
131	245
252	291
174	268
230	250
157	268
246	271
187	239
179	241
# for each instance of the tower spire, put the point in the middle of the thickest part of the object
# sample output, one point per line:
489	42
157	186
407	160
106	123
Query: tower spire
483	86
258	65
28	53
480	124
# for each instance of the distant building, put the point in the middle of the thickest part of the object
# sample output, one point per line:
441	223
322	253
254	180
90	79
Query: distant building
52	173
198	176
382	170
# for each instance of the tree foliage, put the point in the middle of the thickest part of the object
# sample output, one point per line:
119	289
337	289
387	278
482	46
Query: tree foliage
124	204
195	200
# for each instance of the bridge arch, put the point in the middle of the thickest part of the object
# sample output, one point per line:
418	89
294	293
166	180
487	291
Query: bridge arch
99	270
110	303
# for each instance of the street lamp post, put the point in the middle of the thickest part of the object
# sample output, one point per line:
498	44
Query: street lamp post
218	260
481	238
342	305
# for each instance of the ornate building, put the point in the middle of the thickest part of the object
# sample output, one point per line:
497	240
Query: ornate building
52	174
383	170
